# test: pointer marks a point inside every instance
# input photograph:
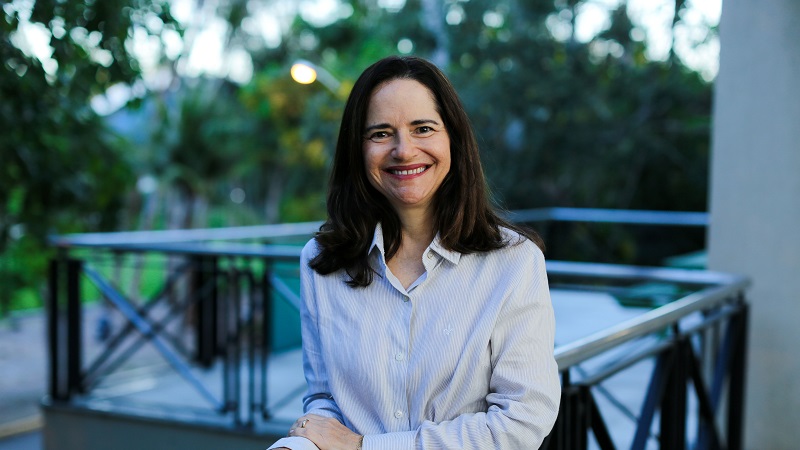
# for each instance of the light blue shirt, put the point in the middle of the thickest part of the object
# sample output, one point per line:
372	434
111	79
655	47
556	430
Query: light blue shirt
462	359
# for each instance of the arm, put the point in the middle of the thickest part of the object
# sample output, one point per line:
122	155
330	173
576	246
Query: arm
524	389
318	400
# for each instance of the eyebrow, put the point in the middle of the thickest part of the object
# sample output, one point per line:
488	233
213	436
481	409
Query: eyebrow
381	126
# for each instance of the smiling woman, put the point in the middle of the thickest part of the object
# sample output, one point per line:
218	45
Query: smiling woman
426	318
406	150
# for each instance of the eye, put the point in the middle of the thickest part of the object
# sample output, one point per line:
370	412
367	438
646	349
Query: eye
424	131
379	136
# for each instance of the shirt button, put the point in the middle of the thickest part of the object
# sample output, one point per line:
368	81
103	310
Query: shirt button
406	299
398	414
399	356
430	255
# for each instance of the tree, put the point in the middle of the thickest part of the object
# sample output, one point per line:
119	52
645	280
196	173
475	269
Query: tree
62	170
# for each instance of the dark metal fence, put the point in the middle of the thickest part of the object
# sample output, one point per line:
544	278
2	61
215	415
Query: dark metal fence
698	345
213	311
212	314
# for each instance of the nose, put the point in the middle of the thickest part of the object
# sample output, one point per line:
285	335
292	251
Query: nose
403	147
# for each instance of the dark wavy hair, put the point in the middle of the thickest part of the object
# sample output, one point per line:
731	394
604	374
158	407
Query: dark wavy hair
464	217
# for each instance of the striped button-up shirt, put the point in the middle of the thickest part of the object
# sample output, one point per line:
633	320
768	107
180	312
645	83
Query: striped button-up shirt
462	359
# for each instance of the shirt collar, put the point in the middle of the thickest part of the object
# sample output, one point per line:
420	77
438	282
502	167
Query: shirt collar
450	255
436	247
376	258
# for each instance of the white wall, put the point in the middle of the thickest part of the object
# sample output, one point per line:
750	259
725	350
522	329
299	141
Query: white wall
755	202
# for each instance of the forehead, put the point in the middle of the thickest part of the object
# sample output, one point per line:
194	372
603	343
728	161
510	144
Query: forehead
400	98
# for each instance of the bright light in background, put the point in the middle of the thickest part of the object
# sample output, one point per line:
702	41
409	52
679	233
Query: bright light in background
303	73
405	46
392	5
237	195
324	12
33	38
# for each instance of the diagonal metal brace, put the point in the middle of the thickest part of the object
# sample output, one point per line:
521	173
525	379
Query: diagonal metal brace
147	330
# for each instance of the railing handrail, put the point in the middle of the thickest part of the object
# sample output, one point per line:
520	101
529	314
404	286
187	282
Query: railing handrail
605	215
555	214
130	239
580	350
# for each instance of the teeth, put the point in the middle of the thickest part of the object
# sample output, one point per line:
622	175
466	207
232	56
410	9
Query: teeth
409	172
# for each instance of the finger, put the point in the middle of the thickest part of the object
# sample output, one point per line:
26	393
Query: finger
300	432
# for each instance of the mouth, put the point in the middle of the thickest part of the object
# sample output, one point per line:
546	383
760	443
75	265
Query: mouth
407	171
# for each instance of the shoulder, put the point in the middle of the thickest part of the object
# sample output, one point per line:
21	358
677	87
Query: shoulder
310	251
519	251
516	242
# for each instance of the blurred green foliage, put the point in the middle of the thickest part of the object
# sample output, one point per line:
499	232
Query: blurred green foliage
62	170
560	122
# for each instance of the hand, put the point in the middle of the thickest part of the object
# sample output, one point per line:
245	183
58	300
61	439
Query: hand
325	433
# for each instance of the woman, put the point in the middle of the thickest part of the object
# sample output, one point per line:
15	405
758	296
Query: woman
426	319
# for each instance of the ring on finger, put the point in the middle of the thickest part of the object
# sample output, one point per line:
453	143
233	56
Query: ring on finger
303	424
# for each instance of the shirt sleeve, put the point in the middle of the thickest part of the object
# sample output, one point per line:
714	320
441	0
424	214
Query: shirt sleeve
294	443
524	391
318	399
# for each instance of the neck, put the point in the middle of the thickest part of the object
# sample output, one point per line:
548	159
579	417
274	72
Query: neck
416	227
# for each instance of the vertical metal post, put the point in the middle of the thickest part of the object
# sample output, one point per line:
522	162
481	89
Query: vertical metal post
574	417
223	315
737	380
74	327
583	419
673	403
556	439
234	343
252	303
655	392
53	330
205	286
575	425
266	335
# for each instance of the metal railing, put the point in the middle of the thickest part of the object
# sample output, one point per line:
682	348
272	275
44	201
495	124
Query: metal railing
214	309
226	292
698	343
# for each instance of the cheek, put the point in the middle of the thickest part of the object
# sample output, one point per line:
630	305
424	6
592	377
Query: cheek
370	162
372	168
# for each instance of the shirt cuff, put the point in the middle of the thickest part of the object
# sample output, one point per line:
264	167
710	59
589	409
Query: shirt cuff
398	440
295	443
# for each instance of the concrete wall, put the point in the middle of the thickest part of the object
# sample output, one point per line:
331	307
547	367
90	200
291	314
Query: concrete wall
755	202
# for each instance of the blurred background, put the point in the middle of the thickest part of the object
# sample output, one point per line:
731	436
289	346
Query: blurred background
166	115
148	115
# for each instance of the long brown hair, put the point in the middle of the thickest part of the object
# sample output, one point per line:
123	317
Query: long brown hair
464	217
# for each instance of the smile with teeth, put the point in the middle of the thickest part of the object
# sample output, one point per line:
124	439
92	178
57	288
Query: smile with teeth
408	172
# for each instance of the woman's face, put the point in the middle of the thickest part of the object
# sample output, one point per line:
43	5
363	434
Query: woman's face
406	147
